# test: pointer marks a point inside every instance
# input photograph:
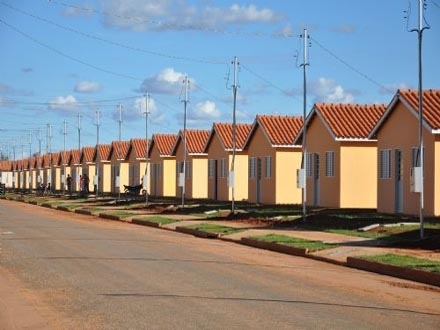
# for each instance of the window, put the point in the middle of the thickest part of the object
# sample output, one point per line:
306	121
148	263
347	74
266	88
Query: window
309	164
187	169
252	163
329	164
268	161
385	164
223	170
211	169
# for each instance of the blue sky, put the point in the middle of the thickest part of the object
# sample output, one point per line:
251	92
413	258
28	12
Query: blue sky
61	58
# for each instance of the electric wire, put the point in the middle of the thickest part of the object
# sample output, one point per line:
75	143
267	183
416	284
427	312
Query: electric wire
74	59
110	42
351	67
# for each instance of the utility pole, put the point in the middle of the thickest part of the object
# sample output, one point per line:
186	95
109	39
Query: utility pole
145	180
234	134
304	131
49	151
39	142
30	155
78	183
118	156
185	147
64	156
96	178
420	160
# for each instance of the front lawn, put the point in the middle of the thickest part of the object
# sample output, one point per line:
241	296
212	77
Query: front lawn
294	241
405	261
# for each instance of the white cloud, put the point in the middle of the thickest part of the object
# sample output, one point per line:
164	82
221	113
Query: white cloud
65	103
392	88
141	15
286	31
84	9
136	111
203	114
328	90
87	87
168	81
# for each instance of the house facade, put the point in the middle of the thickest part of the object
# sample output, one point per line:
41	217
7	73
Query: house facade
102	179
119	166
273	160
193	162
220	154
341	159
138	162
163	165
397	134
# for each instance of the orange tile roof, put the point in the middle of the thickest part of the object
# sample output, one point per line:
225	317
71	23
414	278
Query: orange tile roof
76	155
431	105
349	121
196	140
56	156
65	157
103	151
120	148
139	147
279	130
165	143
87	154
39	161
46	160
224	132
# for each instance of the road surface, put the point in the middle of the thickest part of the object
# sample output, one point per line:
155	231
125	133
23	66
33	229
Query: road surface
61	270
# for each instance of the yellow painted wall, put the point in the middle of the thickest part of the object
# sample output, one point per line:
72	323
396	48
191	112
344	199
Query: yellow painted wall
199	183
286	164
216	152
169	177
57	178
391	136
320	141
241	176
105	178
358	175
437	176
123	176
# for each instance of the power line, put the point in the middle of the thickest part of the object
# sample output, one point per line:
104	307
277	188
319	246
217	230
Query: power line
175	26
110	42
328	51
27	36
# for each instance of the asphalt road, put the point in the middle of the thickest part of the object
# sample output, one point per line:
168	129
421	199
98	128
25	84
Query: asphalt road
80	272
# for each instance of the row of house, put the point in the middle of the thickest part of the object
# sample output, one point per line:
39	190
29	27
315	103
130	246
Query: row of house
357	156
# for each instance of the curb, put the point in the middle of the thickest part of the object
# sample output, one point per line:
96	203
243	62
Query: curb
196	232
146	223
286	249
395	271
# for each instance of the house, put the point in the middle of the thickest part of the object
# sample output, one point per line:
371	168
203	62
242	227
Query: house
220	151
163	165
138	160
102	179
192	161
341	158
88	166
64	168
273	160
397	135
119	165
75	169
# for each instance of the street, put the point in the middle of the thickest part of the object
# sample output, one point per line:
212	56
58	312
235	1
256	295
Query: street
61	270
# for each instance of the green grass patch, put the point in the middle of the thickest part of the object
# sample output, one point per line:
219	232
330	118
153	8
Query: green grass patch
121	213
217	229
405	261
294	241
156	219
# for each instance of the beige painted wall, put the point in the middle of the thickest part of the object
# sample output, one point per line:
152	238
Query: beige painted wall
216	152
392	137
198	185
241	177
437	176
286	164
358	175
169	177
318	142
